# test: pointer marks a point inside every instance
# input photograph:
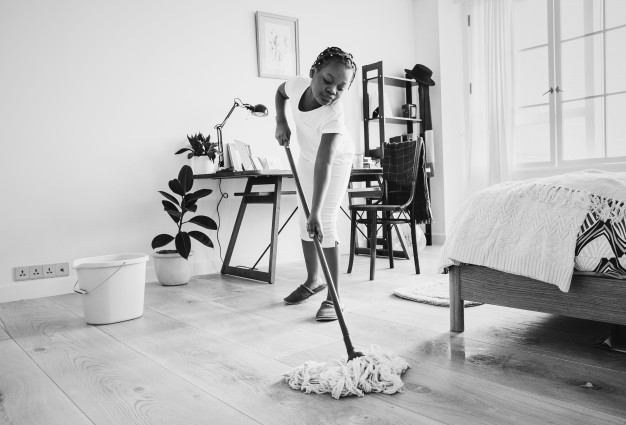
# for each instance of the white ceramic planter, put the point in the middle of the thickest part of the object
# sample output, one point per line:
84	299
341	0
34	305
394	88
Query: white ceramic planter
172	269
202	165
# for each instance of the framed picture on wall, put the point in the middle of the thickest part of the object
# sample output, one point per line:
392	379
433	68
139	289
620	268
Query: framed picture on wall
277	46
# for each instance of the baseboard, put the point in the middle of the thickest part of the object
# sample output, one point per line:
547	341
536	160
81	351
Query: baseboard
28	289
438	238
39	288
206	267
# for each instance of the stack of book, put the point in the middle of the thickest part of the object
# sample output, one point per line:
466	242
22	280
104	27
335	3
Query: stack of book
239	156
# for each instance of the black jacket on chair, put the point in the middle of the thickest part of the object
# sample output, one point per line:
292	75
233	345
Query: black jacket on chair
420	210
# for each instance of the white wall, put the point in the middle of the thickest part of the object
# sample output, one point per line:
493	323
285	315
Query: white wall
97	96
450	25
438	26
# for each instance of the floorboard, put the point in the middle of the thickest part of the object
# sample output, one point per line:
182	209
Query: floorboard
107	380
3	334
214	351
240	376
29	396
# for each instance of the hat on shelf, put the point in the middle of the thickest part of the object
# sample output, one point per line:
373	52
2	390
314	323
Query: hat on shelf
421	74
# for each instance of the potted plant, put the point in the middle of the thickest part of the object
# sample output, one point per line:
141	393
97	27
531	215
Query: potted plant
202	153
171	265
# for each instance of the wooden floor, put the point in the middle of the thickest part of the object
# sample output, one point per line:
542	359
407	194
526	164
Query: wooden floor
213	351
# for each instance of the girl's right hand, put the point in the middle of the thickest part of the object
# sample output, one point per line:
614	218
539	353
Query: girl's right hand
283	133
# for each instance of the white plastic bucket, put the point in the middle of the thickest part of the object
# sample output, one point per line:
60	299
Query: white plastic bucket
112	287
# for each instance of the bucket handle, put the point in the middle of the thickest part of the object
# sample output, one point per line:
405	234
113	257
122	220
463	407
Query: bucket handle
83	292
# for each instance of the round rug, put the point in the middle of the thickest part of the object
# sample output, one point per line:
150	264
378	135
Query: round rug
432	290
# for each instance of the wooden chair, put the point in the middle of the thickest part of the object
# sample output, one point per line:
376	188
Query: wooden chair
400	165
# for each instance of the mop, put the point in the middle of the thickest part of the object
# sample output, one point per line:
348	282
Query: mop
360	373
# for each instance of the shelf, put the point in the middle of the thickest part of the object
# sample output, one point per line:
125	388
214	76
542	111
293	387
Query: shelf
381	83
382	86
394	81
396	120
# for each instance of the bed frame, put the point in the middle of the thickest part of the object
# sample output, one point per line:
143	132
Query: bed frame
590	297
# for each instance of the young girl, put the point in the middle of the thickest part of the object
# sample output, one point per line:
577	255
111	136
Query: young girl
324	164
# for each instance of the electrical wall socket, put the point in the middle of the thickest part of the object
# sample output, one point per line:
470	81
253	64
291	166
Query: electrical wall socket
62	269
35	272
41	271
49	270
21	273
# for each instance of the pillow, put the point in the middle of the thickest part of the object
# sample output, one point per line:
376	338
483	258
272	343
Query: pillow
601	247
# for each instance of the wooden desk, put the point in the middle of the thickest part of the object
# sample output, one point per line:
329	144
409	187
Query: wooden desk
255	178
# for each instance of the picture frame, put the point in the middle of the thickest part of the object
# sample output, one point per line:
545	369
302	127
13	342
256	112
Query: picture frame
278	51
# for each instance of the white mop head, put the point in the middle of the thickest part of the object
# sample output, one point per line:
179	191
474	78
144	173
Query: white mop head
375	372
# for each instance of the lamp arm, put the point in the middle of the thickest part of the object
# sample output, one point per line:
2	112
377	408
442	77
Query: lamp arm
237	103
218	129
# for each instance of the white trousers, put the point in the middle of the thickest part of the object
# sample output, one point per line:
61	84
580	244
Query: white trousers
337	188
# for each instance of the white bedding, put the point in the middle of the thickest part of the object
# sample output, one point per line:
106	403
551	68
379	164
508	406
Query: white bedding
530	227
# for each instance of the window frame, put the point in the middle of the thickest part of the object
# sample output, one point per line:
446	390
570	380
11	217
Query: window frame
555	103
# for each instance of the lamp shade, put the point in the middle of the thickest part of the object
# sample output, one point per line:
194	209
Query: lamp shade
258	110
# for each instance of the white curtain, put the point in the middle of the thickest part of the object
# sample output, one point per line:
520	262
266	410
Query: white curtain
490	142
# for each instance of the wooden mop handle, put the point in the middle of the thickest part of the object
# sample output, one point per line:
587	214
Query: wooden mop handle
320	253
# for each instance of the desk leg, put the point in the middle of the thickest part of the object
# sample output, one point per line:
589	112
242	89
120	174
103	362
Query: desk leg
233	237
275	224
248	197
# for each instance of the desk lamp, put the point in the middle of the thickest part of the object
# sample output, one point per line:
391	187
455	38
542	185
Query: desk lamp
256	110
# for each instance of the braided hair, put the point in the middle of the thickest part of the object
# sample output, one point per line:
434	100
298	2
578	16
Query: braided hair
334	54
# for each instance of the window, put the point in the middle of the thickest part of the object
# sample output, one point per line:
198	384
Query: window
570	82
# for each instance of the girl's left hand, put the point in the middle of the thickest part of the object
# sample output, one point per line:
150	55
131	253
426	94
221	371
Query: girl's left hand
314	227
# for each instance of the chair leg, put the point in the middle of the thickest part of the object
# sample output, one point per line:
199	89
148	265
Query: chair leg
352	239
372	237
416	259
388	230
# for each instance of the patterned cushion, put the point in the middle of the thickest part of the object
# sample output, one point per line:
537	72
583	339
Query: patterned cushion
601	247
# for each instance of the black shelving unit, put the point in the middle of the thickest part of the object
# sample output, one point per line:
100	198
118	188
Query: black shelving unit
373	75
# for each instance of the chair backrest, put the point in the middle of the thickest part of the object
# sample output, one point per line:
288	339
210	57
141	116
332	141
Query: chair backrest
400	164
400	161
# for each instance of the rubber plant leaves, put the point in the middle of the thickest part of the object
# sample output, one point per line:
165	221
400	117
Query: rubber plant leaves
179	206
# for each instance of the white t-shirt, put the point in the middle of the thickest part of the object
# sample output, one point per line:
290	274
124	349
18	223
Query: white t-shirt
311	125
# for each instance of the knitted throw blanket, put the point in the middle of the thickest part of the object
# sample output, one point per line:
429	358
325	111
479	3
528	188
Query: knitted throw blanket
530	227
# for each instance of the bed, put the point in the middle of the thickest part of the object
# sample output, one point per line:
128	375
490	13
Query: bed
554	245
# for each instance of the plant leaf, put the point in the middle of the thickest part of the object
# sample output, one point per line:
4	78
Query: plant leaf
169	206
197	147
176	214
204	221
185	177
161	240
176	187
202	238
182	150
173	212
190	206
170	197
183	244
199	194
